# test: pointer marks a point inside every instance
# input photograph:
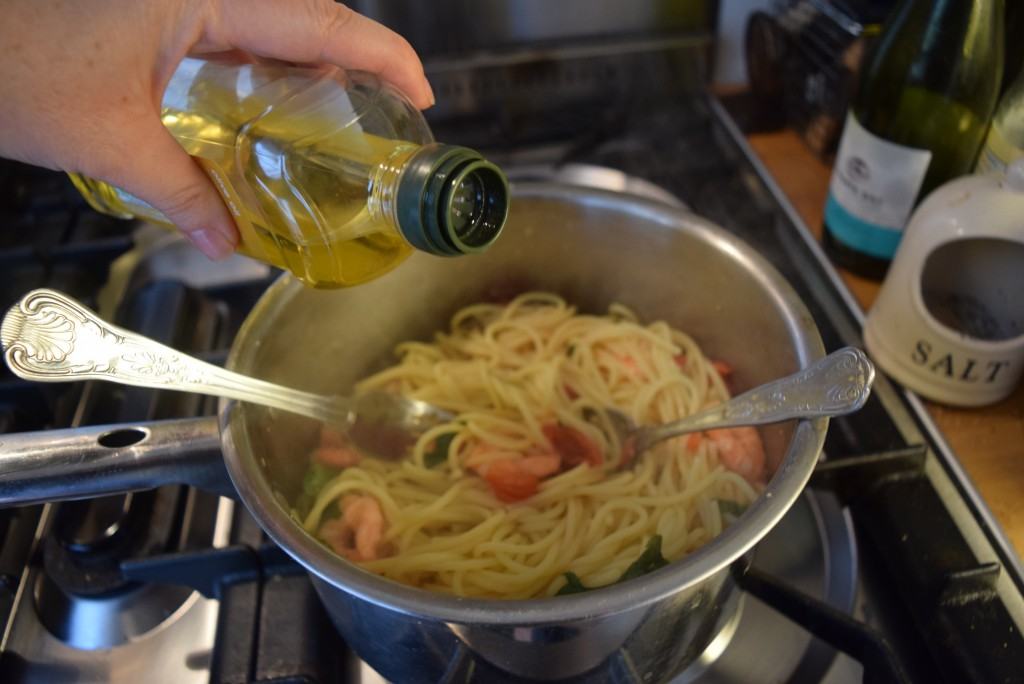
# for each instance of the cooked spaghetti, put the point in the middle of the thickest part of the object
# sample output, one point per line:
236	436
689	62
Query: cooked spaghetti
528	492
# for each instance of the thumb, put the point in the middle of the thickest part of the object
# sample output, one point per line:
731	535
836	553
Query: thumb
150	164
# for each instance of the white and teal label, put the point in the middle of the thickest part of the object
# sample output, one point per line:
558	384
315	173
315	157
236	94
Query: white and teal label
874	185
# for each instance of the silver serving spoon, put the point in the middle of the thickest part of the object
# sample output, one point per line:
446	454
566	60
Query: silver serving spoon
48	336
836	385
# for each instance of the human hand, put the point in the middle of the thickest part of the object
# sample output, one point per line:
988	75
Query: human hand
81	85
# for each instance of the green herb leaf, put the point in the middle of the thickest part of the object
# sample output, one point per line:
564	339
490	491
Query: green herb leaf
439	454
573	585
313	481
733	508
316	477
649	561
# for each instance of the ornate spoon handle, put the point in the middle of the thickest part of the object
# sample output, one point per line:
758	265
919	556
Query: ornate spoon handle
836	385
50	337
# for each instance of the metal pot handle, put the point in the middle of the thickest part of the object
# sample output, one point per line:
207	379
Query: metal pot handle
79	463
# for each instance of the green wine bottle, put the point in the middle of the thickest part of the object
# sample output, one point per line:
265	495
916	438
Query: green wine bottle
917	120
1005	141
1013	28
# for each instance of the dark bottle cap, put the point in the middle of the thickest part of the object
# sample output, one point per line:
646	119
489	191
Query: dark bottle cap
451	201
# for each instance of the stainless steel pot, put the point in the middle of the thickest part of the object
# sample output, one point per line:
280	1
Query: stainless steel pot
592	247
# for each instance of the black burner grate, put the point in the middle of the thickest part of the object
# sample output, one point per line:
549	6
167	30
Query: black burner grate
48	238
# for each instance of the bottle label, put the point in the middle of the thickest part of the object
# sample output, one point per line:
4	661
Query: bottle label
874	185
998	152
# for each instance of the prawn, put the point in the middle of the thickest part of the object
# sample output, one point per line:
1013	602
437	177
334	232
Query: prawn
481	456
740	450
512	477
541	463
357	534
334	450
329	437
337	457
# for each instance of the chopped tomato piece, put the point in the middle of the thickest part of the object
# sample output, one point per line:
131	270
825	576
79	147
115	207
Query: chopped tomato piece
680	360
510	481
722	368
693	441
570	392
572	446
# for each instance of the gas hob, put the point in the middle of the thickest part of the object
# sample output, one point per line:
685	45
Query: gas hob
889	565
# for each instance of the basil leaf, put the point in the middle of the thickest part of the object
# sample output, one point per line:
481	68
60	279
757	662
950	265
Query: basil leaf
439	454
649	561
316	477
733	508
573	585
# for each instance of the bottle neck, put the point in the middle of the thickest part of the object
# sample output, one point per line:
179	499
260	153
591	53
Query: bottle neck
443	199
929	28
952	49
382	201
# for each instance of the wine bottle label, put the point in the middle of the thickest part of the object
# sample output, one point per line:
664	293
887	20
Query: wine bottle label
874	185
998	152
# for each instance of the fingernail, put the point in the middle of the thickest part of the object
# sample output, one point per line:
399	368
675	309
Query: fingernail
212	243
430	90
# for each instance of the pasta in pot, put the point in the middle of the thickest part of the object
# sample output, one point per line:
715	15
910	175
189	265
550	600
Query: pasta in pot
528	492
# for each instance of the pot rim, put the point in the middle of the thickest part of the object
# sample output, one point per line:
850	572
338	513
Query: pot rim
715	556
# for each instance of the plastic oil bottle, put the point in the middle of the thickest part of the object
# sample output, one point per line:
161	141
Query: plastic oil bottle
331	175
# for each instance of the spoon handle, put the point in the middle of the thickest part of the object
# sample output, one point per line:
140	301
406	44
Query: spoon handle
49	337
836	385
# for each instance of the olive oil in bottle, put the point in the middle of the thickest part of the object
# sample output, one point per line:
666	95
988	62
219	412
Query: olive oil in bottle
917	120
330	175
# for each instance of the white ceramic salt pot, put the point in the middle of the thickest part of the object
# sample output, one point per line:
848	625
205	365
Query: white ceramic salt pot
949	320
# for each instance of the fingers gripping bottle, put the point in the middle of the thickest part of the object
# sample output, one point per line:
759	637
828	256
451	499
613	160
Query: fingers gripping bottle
331	175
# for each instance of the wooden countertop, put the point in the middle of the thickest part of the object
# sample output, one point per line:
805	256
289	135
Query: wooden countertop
988	441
